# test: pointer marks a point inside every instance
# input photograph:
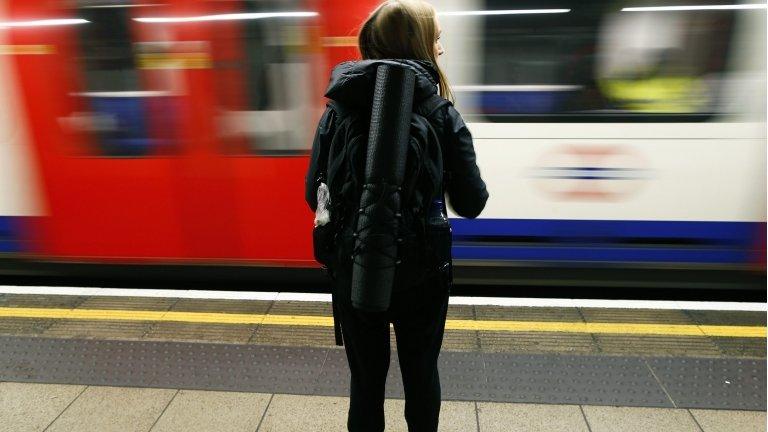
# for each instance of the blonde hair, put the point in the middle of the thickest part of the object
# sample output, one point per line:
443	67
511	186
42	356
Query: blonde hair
403	29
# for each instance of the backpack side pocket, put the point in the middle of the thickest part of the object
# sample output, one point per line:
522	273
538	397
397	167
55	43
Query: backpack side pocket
322	242
440	239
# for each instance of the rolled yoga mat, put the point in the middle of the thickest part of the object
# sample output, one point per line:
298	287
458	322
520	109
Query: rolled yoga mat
376	254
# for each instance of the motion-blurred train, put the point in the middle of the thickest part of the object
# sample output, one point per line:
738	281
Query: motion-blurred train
623	142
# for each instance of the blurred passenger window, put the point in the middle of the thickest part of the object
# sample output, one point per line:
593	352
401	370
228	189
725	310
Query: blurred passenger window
669	62
263	79
118	111
598	62
540	63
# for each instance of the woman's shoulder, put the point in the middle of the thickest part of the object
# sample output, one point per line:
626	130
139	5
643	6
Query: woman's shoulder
452	119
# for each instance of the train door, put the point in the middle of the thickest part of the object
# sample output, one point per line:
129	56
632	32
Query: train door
254	98
206	198
249	108
20	204
103	134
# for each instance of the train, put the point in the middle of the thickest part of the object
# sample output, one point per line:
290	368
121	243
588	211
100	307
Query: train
623	142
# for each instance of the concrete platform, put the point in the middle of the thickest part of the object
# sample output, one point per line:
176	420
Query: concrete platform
52	407
91	362
672	382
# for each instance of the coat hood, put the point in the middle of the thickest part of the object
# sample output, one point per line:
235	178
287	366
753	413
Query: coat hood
352	82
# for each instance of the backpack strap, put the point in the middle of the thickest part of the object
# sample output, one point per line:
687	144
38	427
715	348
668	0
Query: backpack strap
427	108
335	162
337	331
332	166
430	105
332	163
340	109
322	161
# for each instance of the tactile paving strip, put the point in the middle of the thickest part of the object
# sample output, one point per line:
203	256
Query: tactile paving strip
713	383
584	380
500	377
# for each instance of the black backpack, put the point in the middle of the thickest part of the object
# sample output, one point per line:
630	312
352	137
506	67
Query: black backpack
423	248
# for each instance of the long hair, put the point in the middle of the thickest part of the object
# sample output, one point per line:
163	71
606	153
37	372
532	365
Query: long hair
403	29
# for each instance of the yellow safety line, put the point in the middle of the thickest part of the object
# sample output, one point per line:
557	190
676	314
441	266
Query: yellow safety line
327	321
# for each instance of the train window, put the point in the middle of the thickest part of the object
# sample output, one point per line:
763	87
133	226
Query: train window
118	111
267	99
595	61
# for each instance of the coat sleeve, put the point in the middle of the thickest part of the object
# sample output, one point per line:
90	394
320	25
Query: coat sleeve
317	165
466	190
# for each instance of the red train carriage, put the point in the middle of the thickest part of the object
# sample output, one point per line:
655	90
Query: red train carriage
177	130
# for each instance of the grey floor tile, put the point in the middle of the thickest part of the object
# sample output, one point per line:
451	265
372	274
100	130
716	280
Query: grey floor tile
301	308
24	326
712	383
646	316
505	417
657	345
623	419
314	336
290	413
744	318
200	332
461	312
537	342
205	411
730	421
98	329
394	419
560	379
222	306
118	409
454	416
128	303
41	301
462	376
521	313
32	407
741	347
460	340
333	379
457	417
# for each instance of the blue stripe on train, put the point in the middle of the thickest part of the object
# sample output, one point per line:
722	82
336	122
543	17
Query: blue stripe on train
575	254
606	241
10	234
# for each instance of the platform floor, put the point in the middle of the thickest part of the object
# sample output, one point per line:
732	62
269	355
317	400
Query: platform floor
132	363
650	381
78	408
574	330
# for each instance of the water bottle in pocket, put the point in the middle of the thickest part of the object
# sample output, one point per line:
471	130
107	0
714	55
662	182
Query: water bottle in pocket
322	233
439	233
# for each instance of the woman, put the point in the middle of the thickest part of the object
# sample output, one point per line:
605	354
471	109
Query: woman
406	33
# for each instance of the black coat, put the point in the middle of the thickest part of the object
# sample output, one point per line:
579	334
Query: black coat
352	84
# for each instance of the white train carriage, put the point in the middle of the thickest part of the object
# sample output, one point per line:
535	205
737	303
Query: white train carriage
610	135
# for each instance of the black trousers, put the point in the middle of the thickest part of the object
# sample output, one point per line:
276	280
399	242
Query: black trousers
418	317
